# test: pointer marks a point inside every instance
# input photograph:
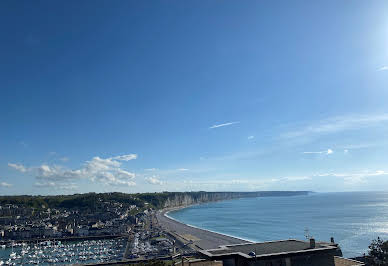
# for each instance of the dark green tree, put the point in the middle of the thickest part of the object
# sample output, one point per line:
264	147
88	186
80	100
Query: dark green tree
378	253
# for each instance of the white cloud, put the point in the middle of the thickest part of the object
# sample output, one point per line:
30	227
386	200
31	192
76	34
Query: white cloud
355	177
57	186
166	171
362	146
5	184
45	184
154	180
25	145
150	169
235	156
346	151
107	171
328	152
295	178
64	159
333	180
224	185
126	157
363	174
224	125
271	183
18	167
251	137
383	68
338	124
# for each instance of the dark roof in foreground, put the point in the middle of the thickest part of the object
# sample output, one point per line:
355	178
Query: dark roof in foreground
271	248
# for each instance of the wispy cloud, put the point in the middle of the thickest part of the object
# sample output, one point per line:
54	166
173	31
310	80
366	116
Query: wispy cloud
337	124
150	169
182	169
355	177
294	178
5	184
298	182
25	145
224	125
57	186
361	146
350	178
107	171
251	137
222	185
383	68
166	171
328	152
235	156
154	180
64	159
239	184
126	157
18	167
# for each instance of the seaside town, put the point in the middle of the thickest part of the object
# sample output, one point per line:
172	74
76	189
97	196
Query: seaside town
18	223
109	231
194	133
87	215
126	233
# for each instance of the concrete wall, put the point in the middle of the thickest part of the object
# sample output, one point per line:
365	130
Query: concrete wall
200	263
317	259
339	261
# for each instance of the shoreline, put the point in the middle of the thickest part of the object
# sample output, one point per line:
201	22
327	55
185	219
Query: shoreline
165	213
198	237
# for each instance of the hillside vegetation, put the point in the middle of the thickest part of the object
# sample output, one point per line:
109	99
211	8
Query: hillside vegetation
154	200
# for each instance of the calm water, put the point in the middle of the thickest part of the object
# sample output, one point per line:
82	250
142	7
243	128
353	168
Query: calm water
353	218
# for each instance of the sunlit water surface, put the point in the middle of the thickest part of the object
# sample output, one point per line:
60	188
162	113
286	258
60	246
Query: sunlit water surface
352	218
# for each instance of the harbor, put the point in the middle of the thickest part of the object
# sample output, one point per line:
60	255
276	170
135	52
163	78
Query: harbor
148	239
62	253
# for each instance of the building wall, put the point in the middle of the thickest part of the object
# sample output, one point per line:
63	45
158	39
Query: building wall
339	261
200	263
317	259
229	262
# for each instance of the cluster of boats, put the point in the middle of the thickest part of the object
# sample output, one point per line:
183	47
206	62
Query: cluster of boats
50	252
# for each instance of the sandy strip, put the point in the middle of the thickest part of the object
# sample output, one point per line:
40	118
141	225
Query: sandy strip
204	239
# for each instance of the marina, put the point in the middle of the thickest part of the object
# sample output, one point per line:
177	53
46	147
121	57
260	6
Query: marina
61	253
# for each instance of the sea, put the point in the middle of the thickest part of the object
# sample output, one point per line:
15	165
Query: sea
354	219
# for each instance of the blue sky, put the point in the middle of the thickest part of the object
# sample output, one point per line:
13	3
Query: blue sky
138	96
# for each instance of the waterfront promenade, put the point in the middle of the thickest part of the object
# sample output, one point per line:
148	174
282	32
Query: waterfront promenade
200	238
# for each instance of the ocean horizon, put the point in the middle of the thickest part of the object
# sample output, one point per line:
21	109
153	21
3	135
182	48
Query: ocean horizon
354	219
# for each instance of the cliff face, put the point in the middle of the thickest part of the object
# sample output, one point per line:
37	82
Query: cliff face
188	198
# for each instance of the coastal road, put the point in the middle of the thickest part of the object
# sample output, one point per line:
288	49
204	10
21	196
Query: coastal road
201	238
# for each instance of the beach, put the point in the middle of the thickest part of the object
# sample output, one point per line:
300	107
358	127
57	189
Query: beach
354	219
200	238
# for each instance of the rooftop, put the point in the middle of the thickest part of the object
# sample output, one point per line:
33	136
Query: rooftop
271	248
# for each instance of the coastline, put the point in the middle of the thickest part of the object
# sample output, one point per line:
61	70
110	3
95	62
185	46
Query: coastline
200	228
199	237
